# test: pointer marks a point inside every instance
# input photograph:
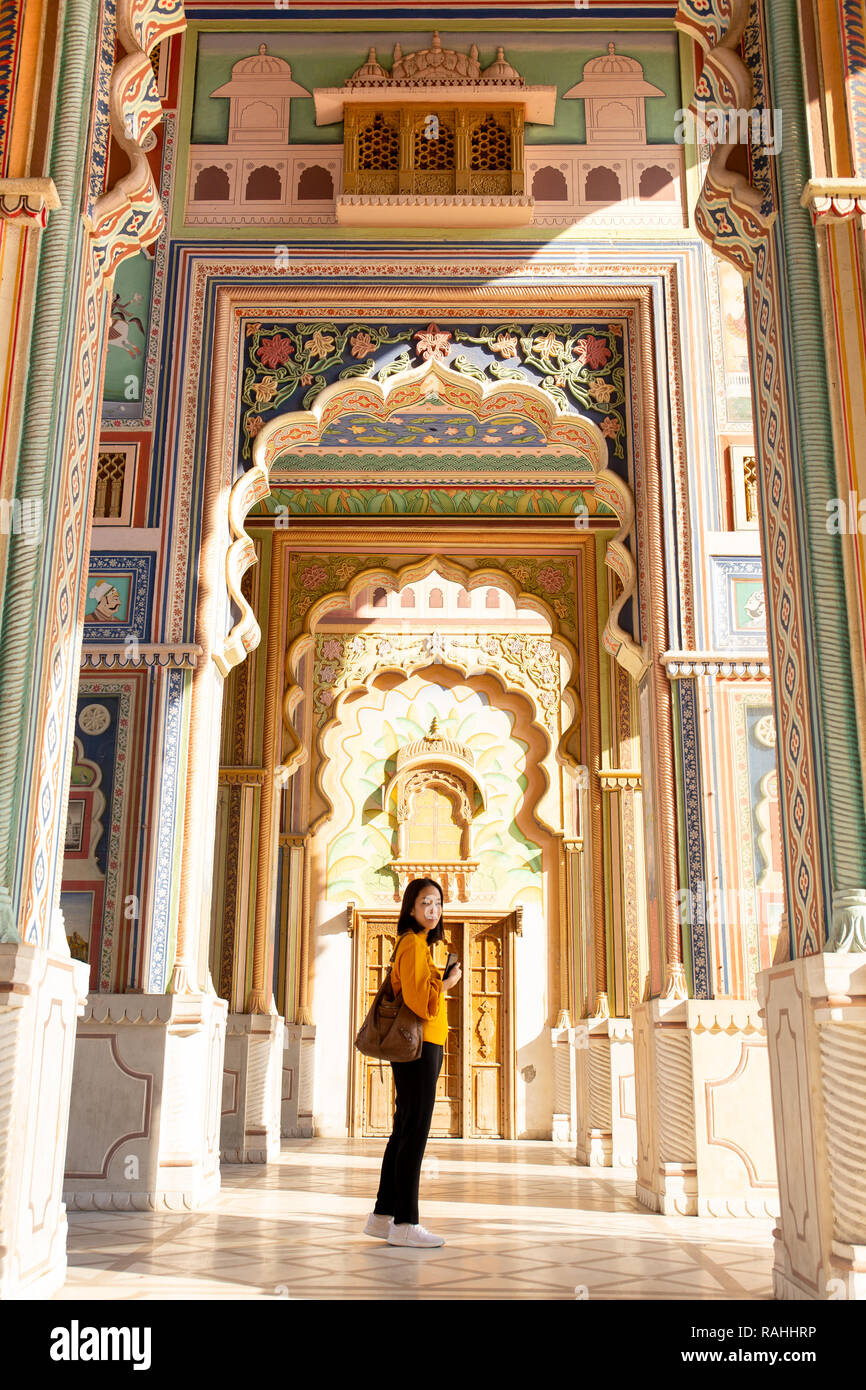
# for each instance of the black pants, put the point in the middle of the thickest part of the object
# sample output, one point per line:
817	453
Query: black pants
415	1084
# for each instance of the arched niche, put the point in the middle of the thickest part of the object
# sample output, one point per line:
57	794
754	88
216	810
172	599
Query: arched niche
379	400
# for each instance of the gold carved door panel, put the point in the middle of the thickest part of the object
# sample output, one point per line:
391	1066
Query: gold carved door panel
486	1028
377	1083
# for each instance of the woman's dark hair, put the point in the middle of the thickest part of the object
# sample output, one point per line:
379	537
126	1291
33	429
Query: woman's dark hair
406	922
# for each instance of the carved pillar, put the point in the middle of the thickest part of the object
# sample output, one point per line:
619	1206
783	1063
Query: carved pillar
764	228
43	591
517	175
462	152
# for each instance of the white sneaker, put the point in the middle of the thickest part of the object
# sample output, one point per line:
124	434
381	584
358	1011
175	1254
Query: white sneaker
379	1226
414	1235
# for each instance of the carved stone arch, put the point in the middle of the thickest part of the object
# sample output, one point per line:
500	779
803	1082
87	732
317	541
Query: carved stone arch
399	392
560	645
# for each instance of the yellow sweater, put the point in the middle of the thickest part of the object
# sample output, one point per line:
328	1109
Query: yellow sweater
413	971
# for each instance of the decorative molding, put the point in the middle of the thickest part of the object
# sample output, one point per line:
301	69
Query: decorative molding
448	210
618	779
834	200
685	665
243	776
401	391
177	656
29	200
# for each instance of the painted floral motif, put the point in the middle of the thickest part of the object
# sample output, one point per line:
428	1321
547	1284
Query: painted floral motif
321	344
275	351
424	501
505	345
362	345
592	352
581	365
434	345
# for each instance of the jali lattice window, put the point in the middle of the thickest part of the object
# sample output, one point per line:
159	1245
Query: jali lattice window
110	475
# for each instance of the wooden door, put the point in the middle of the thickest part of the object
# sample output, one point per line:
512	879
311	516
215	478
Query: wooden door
486	1032
374	1110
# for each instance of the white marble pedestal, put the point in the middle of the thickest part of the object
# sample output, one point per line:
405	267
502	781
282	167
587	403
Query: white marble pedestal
41	993
704	1138
297	1101
604	1065
144	1118
815	1014
252	1088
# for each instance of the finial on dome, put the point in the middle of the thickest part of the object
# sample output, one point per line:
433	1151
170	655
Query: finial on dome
436	43
434	727
500	54
263	48
371	56
611	48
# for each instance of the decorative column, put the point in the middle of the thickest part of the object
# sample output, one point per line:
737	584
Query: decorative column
812	1003
65	310
606	1133
255	1041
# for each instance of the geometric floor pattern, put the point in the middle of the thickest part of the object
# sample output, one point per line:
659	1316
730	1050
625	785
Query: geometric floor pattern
521	1220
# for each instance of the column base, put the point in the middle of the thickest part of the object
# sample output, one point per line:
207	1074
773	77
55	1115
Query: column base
815	1011
252	1081
704	1139
297	1098
144	1119
604	1065
41	993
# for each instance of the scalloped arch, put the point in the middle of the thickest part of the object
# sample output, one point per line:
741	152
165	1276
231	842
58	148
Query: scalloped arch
405	389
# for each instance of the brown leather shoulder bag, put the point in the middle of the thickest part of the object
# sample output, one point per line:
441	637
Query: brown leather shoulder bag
391	1032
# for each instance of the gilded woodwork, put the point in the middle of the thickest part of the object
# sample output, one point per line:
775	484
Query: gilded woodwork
434	149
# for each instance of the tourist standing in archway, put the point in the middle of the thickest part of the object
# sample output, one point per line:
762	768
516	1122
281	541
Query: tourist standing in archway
395	1215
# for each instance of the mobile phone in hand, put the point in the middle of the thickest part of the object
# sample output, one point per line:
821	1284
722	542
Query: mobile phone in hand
449	964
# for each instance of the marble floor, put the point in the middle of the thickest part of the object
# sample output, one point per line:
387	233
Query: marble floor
521	1221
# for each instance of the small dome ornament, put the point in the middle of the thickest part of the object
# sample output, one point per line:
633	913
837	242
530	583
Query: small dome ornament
262	64
369	74
501	72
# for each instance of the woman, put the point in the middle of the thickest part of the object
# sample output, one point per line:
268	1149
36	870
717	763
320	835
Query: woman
395	1216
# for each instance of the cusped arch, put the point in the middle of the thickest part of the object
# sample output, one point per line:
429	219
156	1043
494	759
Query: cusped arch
405	389
438	652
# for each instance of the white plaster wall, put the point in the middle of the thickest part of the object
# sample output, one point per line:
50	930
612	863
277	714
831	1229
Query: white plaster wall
332	1012
533	1076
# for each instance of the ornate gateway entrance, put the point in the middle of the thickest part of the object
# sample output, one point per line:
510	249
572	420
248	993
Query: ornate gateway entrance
475	1095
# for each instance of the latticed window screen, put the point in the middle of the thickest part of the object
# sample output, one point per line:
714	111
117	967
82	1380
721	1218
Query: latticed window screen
490	146
378	145
435	153
110	477
434	832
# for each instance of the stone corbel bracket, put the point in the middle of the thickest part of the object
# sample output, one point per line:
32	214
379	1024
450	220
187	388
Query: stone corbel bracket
130	214
731	213
28	201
